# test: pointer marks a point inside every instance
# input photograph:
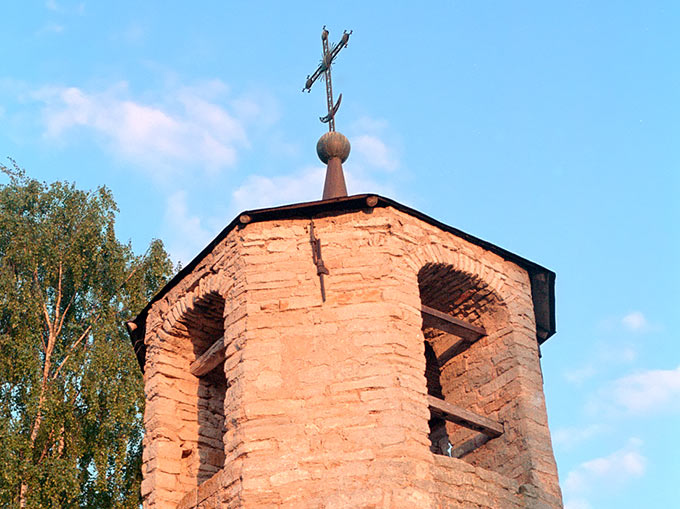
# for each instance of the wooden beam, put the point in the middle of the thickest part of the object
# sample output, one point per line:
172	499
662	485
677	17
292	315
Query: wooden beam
209	360
457	347
454	413
470	445
447	323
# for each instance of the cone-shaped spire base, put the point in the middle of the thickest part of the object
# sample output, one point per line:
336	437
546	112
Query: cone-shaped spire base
334	187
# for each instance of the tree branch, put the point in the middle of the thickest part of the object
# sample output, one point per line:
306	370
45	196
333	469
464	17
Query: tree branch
42	300
94	321
61	319
74	346
58	303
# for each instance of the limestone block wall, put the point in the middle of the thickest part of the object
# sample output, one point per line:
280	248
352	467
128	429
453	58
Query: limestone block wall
499	376
463	485
187	434
324	403
333	391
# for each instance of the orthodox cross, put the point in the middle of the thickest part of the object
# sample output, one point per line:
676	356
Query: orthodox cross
325	69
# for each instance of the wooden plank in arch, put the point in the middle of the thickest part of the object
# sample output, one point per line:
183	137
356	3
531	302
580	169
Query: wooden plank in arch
468	333
210	359
458	415
450	324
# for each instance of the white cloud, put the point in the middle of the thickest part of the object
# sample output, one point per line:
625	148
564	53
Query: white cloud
370	149
259	191
257	107
53	6
375	152
646	391
369	153
306	185
186	233
568	438
604	473
600	361
187	128
635	321
369	124
579	375
361	181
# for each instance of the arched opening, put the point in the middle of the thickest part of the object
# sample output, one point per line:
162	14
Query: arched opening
203	443
462	319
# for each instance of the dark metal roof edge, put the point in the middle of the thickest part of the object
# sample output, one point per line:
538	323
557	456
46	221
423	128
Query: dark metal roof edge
344	204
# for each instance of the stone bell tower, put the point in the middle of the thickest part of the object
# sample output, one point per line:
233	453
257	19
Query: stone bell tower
348	352
416	383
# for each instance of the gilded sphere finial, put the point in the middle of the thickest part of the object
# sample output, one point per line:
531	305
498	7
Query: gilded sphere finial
333	144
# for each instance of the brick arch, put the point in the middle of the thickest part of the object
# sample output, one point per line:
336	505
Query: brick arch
420	256
194	323
466	297
499	377
205	287
461	294
477	378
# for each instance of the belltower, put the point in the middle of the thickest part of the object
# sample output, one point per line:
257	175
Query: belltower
347	352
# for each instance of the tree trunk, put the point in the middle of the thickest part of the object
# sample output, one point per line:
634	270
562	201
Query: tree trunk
35	428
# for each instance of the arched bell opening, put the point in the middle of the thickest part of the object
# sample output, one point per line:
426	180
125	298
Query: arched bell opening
203	443
462	321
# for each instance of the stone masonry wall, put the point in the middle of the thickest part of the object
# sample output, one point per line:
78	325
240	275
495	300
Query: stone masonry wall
499	376
333	398
325	404
185	442
485	377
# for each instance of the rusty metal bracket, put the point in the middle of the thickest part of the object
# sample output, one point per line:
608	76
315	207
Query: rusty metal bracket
321	269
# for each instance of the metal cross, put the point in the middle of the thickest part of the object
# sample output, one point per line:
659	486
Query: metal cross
325	69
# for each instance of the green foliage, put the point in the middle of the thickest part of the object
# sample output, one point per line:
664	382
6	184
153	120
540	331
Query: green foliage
71	398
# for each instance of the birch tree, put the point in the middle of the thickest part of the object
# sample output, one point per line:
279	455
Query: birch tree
71	399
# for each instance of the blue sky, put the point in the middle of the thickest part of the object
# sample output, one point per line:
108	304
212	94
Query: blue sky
548	128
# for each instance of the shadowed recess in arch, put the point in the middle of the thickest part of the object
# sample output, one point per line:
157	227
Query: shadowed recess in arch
459	365
205	326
